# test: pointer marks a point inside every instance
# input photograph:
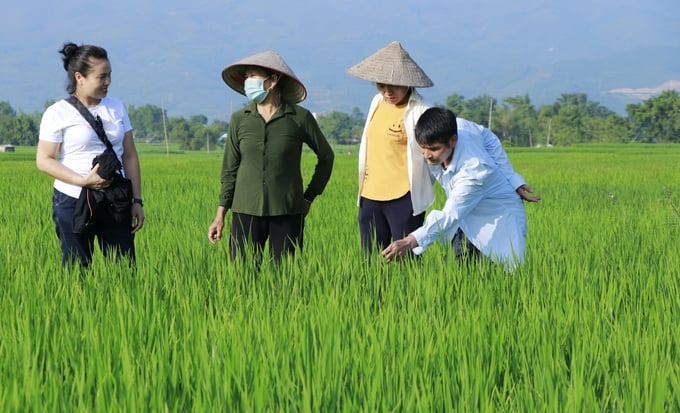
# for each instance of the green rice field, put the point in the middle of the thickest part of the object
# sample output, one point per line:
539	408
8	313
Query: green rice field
590	322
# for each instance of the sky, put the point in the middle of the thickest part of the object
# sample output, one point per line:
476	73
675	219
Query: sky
170	53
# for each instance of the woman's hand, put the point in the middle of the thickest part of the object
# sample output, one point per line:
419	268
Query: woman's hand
93	181
137	217
215	229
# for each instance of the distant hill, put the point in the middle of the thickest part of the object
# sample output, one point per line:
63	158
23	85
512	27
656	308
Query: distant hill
171	53
614	81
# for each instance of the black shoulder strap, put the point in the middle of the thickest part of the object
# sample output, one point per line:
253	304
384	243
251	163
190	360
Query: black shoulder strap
95	123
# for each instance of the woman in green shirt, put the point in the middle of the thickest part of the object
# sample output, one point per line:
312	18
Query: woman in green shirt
261	177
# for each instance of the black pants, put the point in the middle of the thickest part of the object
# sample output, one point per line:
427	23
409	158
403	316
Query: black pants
284	232
385	221
464	250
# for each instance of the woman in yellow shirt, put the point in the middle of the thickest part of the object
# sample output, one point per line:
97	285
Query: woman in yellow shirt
395	185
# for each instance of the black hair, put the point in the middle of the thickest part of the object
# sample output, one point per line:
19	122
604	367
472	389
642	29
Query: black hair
436	125
77	59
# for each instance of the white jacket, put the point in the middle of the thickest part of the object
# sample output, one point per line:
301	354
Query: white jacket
420	180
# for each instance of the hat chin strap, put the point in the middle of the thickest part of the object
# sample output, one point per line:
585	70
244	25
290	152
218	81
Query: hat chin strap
273	83
274	96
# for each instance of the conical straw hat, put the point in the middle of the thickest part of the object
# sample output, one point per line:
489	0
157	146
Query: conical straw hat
292	90
391	65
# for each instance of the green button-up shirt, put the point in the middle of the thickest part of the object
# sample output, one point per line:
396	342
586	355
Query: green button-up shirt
261	171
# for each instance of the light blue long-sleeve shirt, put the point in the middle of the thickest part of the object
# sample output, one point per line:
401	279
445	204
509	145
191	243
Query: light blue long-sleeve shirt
480	200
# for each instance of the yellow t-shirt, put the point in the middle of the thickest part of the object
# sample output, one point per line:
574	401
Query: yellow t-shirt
386	175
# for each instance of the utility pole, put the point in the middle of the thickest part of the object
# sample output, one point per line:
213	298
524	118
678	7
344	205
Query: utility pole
490	110
165	130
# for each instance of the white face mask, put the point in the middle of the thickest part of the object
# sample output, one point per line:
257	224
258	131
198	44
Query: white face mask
254	88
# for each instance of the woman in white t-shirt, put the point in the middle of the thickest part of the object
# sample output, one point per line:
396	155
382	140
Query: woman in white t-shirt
66	147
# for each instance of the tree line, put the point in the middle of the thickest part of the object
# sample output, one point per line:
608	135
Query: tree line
571	119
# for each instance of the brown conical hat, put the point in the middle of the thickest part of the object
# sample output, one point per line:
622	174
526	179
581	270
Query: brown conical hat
292	90
391	65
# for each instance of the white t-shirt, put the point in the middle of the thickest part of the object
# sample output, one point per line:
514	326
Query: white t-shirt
62	123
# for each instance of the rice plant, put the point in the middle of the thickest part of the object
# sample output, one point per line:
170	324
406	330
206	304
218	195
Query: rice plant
586	323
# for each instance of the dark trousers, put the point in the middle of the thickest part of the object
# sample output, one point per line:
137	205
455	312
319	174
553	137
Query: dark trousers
382	222
464	250
284	232
113	238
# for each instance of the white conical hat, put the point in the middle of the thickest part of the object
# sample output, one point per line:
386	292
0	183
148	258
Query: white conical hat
391	65
292	90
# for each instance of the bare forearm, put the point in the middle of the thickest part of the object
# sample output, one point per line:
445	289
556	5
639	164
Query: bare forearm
55	169
133	173
131	164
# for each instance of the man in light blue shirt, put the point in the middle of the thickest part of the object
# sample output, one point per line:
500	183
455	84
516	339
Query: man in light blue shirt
480	199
